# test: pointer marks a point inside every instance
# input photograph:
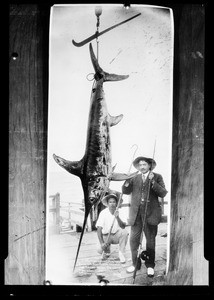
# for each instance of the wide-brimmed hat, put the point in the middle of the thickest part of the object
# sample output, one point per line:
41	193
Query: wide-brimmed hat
111	194
150	161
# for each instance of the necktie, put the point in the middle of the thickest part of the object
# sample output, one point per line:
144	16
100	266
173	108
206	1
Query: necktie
144	178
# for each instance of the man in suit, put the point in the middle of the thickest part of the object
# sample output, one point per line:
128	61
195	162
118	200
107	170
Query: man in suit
145	186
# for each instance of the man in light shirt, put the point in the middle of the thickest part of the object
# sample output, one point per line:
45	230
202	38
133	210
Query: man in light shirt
144	217
118	235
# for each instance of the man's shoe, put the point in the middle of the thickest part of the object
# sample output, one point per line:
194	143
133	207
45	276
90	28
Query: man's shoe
130	269
122	257
150	272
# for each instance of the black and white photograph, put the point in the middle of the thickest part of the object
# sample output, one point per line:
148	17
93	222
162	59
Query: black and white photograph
106	150
110	102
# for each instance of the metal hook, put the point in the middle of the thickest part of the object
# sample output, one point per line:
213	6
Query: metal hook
132	157
135	150
80	44
154	149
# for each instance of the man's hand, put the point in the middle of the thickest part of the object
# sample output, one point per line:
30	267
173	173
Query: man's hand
116	213
104	246
126	183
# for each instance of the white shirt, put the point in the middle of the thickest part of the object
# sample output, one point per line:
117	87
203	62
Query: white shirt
105	221
145	174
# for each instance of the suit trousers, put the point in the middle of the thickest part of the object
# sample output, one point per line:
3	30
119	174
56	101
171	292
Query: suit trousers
150	232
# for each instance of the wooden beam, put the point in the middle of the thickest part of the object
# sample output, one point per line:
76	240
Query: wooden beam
28	99
187	263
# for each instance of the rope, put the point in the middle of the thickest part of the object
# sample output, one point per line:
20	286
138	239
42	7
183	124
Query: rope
87	77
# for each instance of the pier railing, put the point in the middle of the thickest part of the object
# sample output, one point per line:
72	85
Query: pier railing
75	215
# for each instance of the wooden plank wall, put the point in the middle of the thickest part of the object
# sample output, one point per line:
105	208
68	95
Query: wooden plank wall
187	265
28	145
28	98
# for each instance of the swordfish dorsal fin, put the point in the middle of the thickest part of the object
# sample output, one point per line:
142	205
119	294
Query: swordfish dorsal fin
99	73
73	167
114	120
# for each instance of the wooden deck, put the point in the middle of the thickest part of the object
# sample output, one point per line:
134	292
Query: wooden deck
61	254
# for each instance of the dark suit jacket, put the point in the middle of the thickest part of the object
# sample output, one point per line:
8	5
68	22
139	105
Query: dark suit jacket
139	190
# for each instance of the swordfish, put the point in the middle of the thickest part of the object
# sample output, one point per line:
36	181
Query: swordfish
95	168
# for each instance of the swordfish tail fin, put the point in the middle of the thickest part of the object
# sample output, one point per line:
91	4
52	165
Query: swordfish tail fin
99	73
81	236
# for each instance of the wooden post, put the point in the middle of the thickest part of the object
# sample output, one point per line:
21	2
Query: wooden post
54	209
58	213
28	99
187	265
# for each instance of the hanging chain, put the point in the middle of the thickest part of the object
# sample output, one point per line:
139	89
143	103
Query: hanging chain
97	32
98	12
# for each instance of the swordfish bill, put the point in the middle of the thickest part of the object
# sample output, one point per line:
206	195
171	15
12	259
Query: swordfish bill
95	168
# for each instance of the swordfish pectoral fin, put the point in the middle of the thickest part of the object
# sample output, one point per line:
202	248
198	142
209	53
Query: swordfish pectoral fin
114	120
121	176
73	167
